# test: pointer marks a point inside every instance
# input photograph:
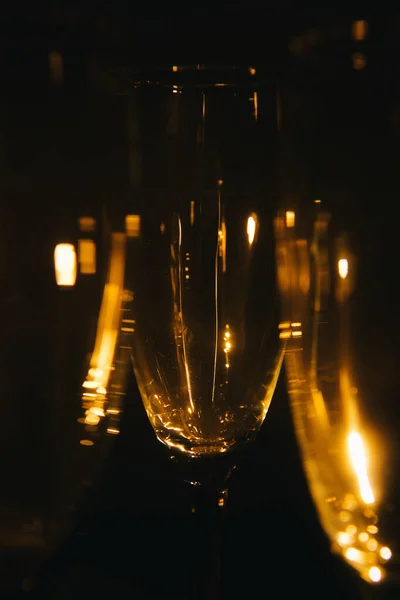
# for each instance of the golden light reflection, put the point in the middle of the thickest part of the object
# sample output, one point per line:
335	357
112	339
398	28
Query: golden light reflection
317	201
132	225
343	267
252	71
255	104
251	228
359	30
65	264
222	244
112	430
175	68
353	555
87	223
192	214
372	529
87	257
227	345
372	545
359	463
375	574
108	325
290	218
344	538
341	481
385	553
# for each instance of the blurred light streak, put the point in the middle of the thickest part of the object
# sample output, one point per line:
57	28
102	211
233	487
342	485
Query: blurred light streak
255	103
107	328
65	264
251	228
343	267
359	462
290	218
222	244
87	256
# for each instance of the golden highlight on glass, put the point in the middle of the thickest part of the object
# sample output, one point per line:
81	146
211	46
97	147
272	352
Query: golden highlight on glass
340	454
205	356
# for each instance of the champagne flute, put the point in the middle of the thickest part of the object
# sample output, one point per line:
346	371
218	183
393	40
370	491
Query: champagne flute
206	350
337	257
64	350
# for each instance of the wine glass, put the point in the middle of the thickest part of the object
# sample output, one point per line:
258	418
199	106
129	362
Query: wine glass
337	261
64	347
206	349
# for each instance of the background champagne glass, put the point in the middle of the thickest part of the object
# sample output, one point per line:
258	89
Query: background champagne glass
337	259
64	356
206	350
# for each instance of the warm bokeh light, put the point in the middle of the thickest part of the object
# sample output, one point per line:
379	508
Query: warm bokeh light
87	223
372	545
343	267
65	264
252	71
255	104
175	68
359	30
251	228
132	225
344	538
359	463
192	213
290	218
359	61
385	553
87	256
353	554
375	574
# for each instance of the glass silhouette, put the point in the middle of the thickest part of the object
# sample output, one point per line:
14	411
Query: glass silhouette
64	349
205	348
337	261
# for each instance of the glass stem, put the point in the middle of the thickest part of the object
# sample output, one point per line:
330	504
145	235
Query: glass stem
208	511
208	518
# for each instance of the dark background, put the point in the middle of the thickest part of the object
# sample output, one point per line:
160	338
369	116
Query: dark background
133	536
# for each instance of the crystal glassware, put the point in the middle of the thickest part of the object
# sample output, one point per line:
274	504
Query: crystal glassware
64	348
206	349
337	261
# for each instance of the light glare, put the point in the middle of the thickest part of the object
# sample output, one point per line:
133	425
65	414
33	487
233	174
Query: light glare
65	264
